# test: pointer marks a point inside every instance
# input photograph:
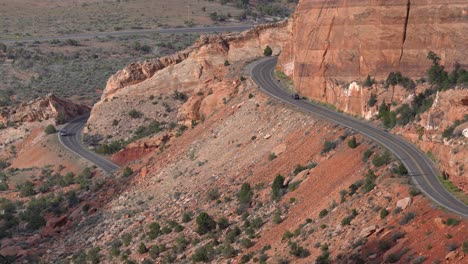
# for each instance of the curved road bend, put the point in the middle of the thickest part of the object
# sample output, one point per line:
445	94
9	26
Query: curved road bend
73	143
133	32
420	167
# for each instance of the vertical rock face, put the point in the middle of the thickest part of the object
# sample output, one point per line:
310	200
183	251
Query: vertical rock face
337	42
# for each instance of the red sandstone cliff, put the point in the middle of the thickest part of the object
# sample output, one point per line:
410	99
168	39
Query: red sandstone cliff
337	42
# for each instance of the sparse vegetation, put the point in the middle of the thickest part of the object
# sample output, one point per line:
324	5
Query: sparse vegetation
328	146
267	51
277	188
50	129
205	223
352	143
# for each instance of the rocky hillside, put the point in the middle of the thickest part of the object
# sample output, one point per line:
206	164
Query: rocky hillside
192	78
48	107
363	57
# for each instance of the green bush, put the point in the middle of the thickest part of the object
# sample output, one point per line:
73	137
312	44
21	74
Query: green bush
384	245
223	223
154	230
245	195
213	194
142	248
323	213
452	222
352	143
369	183
366	155
50	129
126	239
401	169
186	217
383	213
135	114
369	81
127	172
267	51
407	217
203	253
277	188
226	63
246	243
26	189
328	146
381	159
272	156
154	252
277	217
298	251
205	223
113	147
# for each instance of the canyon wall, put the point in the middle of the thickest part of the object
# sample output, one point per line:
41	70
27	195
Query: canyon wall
335	43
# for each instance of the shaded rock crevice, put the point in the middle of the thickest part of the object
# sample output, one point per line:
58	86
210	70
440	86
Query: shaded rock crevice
405	28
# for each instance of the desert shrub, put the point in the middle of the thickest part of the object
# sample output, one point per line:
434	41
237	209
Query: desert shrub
381	159
50	129
267	51
324	258
26	189
154	230
277	217
298	251
142	248
154	252
226	63
401	169
407	217
397	235
384	245
272	156
383	213
205	223
110	148
223	223
186	217
352	143
368	82
465	247
369	183
245	195
323	213
366	155
232	234
203	253
126	239
213	194
246	243
181	96
414	192
127	172
277	188
135	114
452	246
328	146
452	222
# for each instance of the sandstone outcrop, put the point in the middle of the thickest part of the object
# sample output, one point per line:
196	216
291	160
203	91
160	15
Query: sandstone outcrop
197	71
43	108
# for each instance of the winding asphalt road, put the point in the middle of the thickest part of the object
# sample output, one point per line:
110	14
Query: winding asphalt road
421	169
73	143
133	32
